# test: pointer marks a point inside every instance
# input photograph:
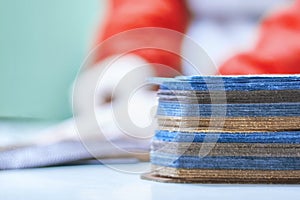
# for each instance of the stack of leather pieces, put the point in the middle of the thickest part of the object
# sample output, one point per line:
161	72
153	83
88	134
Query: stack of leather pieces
227	129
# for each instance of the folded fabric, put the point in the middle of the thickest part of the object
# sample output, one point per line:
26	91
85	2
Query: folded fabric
227	129
72	152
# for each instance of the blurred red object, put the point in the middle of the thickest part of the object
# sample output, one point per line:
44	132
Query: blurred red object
277	50
124	15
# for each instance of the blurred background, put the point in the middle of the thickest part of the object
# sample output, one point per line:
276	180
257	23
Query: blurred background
42	45
44	42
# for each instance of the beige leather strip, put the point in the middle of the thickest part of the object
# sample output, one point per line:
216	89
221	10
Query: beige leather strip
232	174
235	124
227	149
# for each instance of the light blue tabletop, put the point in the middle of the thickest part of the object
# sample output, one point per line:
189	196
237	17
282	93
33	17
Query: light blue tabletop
93	182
